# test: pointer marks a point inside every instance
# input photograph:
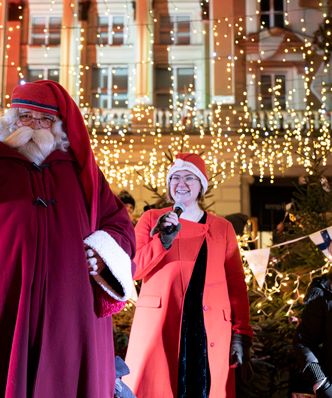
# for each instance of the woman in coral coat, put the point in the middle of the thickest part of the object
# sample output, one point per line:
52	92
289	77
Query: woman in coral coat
192	317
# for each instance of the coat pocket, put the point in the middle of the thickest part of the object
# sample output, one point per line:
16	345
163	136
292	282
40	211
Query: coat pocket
149	301
227	314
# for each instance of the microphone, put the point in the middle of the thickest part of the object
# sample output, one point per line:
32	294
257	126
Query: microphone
178	209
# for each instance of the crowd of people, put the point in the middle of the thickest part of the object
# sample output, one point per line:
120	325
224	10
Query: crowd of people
69	257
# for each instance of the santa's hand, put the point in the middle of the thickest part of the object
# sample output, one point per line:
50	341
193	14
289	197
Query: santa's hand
95	262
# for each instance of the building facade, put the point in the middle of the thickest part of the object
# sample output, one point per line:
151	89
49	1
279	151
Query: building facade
154	75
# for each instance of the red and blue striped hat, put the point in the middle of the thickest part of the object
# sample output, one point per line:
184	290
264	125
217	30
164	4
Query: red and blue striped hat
36	97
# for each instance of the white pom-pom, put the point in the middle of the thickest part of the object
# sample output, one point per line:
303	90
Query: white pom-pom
178	162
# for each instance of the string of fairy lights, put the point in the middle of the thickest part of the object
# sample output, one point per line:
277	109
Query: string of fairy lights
277	283
265	141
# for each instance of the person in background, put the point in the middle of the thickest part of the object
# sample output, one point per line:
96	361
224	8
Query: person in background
191	324
238	221
128	200
66	247
121	389
312	343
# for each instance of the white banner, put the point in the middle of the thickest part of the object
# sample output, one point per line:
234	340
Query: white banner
258	261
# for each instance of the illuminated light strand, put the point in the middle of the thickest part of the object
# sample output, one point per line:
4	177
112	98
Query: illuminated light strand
264	148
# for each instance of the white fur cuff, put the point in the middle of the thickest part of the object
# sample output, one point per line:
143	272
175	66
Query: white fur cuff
117	261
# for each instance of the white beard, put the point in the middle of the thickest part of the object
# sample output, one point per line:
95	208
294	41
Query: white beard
36	145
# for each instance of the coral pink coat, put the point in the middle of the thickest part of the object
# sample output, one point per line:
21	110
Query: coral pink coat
153	350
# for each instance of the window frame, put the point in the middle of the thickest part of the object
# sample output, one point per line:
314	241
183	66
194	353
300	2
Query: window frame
174	22
273	76
173	91
110	30
271	14
45	70
46	35
108	92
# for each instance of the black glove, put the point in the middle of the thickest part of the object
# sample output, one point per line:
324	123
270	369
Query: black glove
165	238
240	349
240	356
325	390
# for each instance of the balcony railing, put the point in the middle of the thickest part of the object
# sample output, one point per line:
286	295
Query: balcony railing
284	120
167	119
100	118
164	119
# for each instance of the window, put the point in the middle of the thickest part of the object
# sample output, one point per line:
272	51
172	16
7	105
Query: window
163	86
110	87
45	31
182	90
111	30
272	13
185	84
102	35
273	91
174	30
43	73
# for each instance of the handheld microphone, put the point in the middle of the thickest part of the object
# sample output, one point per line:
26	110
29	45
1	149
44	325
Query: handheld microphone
178	209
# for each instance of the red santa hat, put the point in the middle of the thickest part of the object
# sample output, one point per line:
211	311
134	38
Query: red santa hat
193	163
50	97
36	97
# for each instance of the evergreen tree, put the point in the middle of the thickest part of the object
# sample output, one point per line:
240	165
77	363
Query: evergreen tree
275	309
310	212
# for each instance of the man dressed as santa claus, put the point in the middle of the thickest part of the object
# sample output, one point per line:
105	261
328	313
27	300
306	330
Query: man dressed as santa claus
66	244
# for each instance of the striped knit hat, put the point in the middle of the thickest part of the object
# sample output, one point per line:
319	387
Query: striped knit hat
36	97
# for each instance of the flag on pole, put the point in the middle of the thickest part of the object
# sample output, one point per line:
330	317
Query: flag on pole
323	239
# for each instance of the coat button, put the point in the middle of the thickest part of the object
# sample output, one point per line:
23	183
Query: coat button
41	202
205	307
211	344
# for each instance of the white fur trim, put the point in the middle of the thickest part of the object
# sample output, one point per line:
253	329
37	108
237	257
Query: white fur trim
180	165
117	261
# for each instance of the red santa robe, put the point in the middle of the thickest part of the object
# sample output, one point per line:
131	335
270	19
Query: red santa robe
154	344
52	344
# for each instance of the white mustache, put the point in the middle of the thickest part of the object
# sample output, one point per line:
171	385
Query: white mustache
44	139
19	137
36	145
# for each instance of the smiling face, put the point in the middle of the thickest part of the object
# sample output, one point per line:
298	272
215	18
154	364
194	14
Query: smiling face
184	187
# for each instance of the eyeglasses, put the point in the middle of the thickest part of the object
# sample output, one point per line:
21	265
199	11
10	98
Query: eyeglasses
188	180
45	121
